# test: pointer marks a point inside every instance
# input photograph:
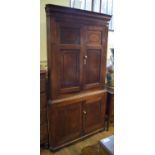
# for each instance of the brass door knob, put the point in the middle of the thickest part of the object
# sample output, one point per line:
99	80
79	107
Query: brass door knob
85	59
85	56
84	112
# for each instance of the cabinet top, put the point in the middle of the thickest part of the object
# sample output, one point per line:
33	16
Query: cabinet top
50	9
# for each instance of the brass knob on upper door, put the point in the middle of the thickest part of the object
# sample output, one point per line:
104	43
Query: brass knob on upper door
84	112
85	59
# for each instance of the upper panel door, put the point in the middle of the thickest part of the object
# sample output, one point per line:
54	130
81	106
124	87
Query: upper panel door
94	58
69	58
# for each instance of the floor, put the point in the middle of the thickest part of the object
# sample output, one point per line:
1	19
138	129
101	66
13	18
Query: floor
76	148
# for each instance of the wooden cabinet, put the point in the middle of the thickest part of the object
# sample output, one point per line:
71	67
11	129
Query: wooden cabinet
76	49
110	107
43	109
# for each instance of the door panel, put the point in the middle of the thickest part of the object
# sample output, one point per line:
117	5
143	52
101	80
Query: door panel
69	35
94	57
94	112
93	66
67	122
69	72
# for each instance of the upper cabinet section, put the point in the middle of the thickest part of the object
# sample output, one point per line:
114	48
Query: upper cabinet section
76	42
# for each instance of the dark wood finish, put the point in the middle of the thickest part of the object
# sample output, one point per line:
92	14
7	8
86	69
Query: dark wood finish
43	100
95	57
94	113
110	107
66	122
43	109
76	50
69	35
76	45
69	71
43	134
76	117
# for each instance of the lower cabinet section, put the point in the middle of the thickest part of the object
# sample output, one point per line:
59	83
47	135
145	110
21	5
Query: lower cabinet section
76	118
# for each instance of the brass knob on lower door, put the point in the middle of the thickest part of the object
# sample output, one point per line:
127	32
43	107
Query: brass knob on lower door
84	112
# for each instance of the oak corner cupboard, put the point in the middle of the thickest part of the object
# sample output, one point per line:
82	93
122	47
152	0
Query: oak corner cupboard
76	47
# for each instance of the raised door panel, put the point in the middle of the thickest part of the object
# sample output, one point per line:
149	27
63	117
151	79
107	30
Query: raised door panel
93	67
69	35
67	123
94	113
69	70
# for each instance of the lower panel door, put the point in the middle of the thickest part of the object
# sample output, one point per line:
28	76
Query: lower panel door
66	123
94	113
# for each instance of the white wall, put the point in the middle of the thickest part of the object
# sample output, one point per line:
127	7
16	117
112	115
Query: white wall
43	42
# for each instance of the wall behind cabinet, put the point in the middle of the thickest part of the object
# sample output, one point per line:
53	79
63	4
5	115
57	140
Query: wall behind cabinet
43	47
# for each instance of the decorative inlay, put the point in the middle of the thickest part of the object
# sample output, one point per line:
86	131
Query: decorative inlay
94	37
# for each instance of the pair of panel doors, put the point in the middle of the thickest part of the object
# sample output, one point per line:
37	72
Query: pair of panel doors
76	118
78	57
